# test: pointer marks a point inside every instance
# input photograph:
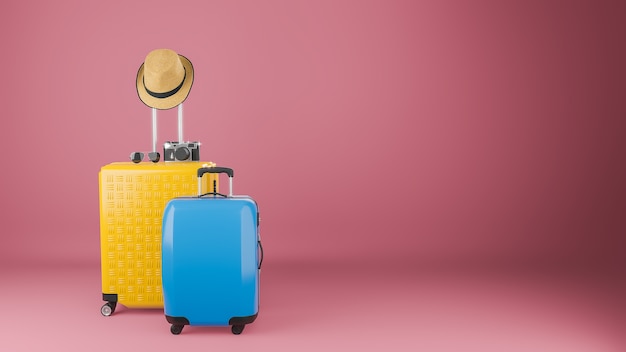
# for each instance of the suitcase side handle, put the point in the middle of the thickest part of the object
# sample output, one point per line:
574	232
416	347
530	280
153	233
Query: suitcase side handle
262	255
216	170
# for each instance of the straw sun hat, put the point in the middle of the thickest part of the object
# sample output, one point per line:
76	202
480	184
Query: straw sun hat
164	79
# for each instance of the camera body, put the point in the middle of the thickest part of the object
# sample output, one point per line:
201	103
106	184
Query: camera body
181	151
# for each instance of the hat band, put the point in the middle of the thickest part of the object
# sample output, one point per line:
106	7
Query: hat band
166	94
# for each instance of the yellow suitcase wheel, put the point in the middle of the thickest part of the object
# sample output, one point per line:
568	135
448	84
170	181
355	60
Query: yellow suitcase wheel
108	308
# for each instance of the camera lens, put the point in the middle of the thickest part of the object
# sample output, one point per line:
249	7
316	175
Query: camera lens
182	153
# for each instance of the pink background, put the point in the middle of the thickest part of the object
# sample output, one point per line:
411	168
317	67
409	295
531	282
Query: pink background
378	136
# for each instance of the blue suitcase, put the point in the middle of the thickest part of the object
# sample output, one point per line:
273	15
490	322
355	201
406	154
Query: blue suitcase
211	259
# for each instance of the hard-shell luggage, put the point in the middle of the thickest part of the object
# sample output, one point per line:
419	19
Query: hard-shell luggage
133	196
212	257
132	199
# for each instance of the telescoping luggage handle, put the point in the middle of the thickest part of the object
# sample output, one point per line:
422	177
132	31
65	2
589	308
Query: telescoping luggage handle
154	155
216	170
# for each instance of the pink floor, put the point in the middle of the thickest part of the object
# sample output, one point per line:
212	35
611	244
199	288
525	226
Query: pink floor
332	307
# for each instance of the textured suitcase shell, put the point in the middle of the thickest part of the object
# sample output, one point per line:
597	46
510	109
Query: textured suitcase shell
132	200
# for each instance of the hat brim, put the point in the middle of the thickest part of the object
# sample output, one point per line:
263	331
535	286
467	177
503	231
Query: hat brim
173	100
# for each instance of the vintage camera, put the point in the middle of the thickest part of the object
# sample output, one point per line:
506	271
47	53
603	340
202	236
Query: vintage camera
186	151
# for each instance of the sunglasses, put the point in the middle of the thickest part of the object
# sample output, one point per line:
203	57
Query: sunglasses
137	157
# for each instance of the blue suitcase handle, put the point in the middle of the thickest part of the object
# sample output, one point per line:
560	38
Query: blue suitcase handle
261	260
215	170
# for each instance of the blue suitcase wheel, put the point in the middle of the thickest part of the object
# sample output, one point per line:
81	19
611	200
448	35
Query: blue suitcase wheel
108	308
237	329
176	329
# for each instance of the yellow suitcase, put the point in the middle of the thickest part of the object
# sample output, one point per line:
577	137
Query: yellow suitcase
132	200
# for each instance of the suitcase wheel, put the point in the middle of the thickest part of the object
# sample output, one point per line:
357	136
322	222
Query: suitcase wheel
237	329
176	329
108	308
